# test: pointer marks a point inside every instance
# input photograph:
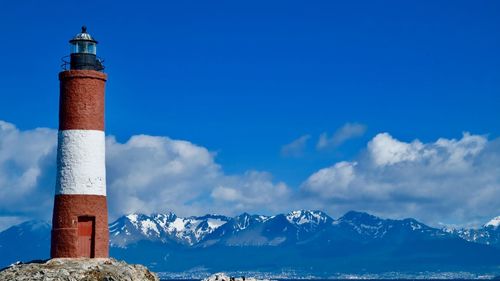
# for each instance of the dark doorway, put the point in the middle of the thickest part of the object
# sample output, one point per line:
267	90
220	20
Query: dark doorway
86	236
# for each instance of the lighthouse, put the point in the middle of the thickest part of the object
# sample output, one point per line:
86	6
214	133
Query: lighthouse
80	217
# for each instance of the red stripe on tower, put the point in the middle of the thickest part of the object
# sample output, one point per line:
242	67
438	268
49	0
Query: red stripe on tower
80	218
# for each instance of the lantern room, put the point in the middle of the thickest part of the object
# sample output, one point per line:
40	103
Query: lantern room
84	51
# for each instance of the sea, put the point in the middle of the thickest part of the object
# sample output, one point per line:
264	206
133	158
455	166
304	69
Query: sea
302	276
351	279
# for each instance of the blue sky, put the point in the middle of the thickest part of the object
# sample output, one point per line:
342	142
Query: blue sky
244	79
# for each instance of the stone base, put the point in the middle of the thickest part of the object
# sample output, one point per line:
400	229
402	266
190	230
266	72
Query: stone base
78	269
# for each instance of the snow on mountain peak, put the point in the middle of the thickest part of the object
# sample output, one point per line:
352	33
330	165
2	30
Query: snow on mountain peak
164	227
144	223
495	222
255	229
369	225
415	225
245	220
215	223
488	234
301	217
132	218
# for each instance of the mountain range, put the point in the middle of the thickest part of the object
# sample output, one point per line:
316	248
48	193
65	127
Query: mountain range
309	242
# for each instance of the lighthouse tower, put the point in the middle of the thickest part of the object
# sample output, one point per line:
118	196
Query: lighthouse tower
80	218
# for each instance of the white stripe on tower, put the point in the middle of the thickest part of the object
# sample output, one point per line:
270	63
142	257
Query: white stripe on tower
81	162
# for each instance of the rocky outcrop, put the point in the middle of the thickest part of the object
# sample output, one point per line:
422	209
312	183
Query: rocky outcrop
80	269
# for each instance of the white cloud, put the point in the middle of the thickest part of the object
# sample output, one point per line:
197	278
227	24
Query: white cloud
226	194
332	181
296	147
27	171
343	134
157	174
449	180
250	192
385	150
149	174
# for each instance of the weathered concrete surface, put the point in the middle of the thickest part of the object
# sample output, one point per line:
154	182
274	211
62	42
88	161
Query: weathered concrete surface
81	162
81	102
78	269
67	208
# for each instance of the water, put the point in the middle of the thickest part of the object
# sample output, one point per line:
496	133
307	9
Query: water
305	279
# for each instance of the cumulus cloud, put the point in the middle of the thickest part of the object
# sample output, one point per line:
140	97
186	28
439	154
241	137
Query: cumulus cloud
150	174
343	134
27	171
332	182
385	150
450	180
157	174
296	147
250	192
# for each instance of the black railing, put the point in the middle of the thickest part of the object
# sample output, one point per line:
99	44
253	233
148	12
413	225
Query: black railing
67	64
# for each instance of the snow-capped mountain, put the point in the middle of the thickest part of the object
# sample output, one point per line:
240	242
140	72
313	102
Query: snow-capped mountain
165	228
297	227
26	241
369	227
242	230
489	234
309	220
494	223
304	240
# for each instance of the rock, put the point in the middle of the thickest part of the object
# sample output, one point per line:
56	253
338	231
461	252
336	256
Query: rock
81	269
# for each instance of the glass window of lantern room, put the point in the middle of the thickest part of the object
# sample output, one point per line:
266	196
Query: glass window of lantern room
74	48
91	48
83	47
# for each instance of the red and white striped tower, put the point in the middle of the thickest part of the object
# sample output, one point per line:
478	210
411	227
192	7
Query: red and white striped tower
80	218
